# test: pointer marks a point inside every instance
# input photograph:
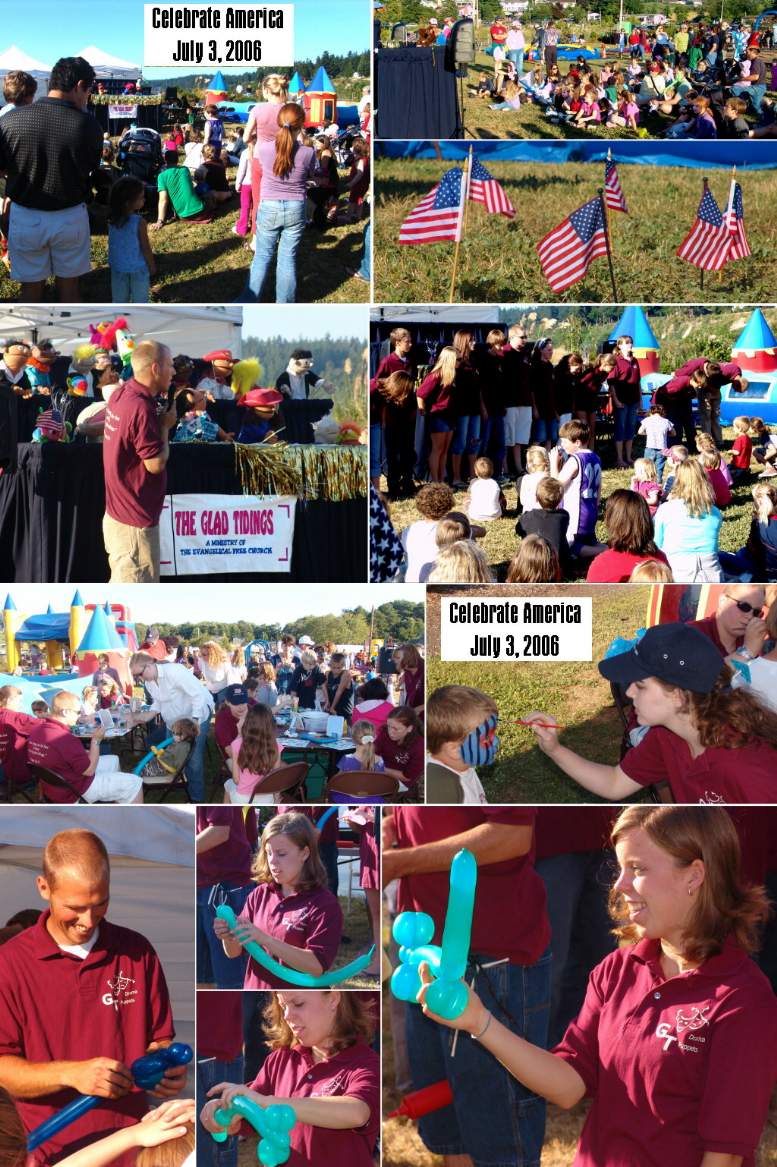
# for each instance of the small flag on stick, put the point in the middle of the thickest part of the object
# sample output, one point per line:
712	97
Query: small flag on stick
568	250
613	192
437	218
708	243
484	188
735	222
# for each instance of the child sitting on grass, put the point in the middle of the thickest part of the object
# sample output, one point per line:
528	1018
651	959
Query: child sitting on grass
742	449
433	501
758	558
485	500
460	735
645	482
676	456
537	468
168	761
548	520
535	561
764	447
712	462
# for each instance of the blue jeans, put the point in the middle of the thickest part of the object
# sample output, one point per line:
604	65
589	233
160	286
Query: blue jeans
281	224
227	972
195	767
516	56
754	92
364	269
492	437
493	1118
466	437
656	456
625	422
576	887
130	287
211	1071
377	450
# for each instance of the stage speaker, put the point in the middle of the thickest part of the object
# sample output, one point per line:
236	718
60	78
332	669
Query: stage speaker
171	93
385	663
460	49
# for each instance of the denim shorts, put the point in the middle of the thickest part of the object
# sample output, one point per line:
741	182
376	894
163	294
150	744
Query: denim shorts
545	430
493	1118
625	422
440	423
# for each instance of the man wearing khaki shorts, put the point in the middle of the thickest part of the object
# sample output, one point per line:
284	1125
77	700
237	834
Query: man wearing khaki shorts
48	151
135	453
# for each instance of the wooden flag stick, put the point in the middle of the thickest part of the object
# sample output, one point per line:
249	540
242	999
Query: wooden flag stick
609	249
465	197
466	205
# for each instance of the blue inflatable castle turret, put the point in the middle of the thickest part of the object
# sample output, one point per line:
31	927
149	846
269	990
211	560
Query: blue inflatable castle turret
634	323
755	351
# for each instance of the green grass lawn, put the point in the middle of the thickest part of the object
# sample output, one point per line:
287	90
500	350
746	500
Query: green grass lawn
530	121
500	541
498	260
207	263
574	693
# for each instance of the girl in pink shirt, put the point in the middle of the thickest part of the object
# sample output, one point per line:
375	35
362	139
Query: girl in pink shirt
252	755
262	126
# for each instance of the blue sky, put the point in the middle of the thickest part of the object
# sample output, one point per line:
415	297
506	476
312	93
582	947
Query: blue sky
328	319
61	30
182	603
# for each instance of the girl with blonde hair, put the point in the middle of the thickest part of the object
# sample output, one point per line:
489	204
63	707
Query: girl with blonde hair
215	668
687	526
436	400
462	562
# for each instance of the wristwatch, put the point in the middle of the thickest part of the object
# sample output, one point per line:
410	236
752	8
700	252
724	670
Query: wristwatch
745	653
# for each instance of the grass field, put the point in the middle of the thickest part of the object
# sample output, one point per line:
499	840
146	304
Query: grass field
498	260
530	121
500	541
206	263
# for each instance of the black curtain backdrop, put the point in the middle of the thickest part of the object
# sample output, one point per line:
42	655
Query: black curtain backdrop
51	511
416	94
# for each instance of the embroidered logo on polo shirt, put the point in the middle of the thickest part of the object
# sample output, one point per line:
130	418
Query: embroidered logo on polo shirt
711	797
297	918
120	992
335	1085
687	1023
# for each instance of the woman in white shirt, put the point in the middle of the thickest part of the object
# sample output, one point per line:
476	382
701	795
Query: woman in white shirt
215	667
176	693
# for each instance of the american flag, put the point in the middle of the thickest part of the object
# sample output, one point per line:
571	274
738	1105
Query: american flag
483	188
735	222
567	252
613	192
438	217
708	243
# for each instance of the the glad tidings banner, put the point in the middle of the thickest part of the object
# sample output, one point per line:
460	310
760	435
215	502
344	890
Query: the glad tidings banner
208	534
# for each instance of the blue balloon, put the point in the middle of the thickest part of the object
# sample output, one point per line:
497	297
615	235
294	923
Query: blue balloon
147	1072
151	754
413	931
326	815
292	976
273	1124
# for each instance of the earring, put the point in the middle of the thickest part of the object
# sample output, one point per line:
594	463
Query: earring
690	891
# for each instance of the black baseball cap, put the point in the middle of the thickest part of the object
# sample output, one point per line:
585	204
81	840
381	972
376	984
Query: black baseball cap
675	653
237	695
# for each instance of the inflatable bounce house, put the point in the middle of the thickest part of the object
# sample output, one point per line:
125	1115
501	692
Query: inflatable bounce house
320	100
81	635
634	323
217	90
755	351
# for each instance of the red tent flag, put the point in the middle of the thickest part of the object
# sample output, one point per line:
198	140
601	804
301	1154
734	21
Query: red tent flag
567	252
708	243
613	192
438	217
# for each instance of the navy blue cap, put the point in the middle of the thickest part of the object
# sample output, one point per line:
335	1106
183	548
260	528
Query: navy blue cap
675	653
237	695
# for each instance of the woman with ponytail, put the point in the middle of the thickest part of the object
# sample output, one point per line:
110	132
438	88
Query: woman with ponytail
286	168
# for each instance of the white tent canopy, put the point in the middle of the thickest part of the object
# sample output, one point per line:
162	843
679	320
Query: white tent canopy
14	58
152	879
106	65
186	329
458	313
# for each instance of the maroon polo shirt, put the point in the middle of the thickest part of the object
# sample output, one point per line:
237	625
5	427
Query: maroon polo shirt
747	774
311	919
406	756
675	1067
523	933
353	1073
225	726
563	830
55	1006
709	627
624	380
52	745
15	729
414	686
219	1025
132	436
230	862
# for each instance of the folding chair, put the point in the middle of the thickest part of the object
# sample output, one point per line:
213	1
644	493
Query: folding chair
167	783
286	780
41	775
360	786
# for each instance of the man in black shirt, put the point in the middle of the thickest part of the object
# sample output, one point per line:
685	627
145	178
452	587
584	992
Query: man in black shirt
13	383
48	151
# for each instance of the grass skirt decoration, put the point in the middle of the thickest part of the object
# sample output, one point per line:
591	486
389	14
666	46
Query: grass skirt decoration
332	473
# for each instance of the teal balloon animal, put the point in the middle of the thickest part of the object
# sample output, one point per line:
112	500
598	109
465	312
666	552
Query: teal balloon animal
413	931
273	1124
290	975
